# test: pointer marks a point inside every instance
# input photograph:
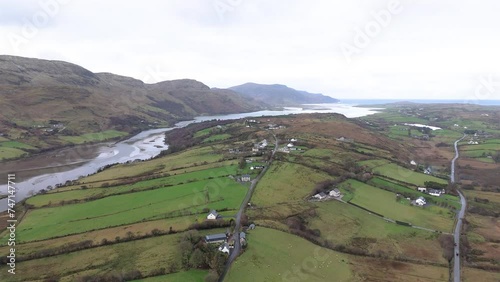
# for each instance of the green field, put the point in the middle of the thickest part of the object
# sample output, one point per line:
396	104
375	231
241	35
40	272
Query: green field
193	275
277	256
89	193
94	137
143	255
10	153
405	175
128	208
286	182
385	203
217	137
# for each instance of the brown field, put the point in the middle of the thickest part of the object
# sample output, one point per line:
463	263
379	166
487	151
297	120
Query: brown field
380	270
143	228
475	275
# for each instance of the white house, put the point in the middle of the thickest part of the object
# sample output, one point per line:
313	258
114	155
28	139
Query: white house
213	215
413	162
335	193
224	248
320	196
420	201
428	170
422	189
290	145
293	140
434	192
245	178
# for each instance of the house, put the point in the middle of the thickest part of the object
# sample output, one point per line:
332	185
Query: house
420	201
290	145
245	177
293	140
243	238
213	215
215	238
224	248
320	196
422	189
435	192
335	193
428	170
255	149
251	226
413	162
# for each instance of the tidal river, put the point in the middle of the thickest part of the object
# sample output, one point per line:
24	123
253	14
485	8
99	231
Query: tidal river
49	169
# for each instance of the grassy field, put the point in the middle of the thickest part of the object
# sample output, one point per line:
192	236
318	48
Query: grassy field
473	275
345	224
285	182
193	275
405	175
144	255
89	193
217	137
125	209
10	153
277	256
94	137
385	203
182	160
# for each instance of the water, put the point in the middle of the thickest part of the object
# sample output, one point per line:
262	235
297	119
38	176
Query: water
143	146
420	101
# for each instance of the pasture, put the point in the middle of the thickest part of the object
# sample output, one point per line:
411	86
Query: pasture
277	256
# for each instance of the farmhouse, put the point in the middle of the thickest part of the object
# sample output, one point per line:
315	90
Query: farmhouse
224	248
422	189
213	215
290	145
335	193
215	238
434	192
245	177
320	196
420	201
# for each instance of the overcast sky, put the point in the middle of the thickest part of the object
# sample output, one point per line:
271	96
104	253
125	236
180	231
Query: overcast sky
404	49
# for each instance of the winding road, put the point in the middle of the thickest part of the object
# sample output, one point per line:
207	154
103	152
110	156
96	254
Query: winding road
458	227
236	236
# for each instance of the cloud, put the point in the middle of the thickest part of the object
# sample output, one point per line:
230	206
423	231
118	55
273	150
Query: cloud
430	49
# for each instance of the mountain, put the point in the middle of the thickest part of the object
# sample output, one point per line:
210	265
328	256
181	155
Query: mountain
280	95
37	93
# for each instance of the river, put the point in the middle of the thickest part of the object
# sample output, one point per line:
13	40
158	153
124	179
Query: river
79	161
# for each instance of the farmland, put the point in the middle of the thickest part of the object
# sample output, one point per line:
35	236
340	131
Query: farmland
275	255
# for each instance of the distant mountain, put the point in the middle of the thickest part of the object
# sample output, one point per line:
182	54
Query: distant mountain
280	95
36	92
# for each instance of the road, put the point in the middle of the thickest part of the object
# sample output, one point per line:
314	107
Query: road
458	227
236	236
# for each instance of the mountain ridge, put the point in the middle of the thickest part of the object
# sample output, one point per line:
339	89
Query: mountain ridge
280	94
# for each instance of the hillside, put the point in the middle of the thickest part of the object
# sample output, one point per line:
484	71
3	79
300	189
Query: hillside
42	100
280	95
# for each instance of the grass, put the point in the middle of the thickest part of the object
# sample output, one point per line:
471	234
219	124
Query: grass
400	173
144	255
385	203
129	208
10	153
345	224
94	137
15	144
81	194
277	256
474	274
397	188
217	137
192	275
286	182
184	160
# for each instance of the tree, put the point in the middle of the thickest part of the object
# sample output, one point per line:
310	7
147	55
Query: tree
496	157
197	259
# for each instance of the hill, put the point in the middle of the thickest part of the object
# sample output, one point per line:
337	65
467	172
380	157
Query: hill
280	95
43	100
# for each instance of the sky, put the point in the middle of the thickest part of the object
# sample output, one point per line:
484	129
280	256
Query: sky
401	49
